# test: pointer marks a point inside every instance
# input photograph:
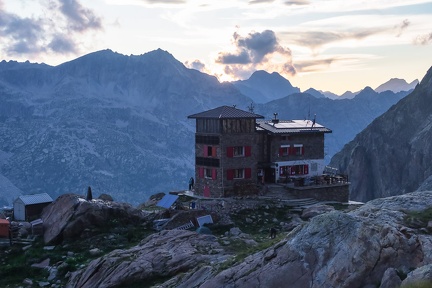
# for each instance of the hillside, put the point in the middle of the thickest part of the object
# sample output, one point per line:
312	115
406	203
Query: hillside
392	155
384	243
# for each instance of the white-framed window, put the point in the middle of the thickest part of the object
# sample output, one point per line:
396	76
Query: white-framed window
284	150
239	151
298	149
239	173
208	173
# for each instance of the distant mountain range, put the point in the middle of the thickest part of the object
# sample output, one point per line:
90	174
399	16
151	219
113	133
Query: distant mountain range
119	123
393	155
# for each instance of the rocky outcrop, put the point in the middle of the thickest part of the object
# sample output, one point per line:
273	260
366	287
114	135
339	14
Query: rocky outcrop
392	155
372	246
159	256
69	215
340	250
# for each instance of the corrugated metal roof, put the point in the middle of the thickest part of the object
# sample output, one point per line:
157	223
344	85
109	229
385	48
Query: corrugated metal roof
292	127
167	201
35	198
225	112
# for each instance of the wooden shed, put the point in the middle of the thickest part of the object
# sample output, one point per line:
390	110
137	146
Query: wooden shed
4	228
29	207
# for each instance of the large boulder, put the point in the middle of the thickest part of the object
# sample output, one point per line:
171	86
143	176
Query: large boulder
339	249
159	256
69	215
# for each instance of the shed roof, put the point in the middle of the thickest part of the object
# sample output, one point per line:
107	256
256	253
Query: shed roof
225	112
292	126
35	199
167	201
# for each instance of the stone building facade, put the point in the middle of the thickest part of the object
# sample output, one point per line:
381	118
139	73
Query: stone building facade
234	150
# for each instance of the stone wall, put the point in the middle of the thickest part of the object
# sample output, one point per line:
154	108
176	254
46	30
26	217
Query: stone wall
333	192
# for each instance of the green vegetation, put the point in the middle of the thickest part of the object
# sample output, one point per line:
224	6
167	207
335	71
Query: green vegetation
418	219
16	263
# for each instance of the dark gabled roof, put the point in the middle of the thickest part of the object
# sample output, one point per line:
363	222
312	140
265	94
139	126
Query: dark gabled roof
291	127
225	112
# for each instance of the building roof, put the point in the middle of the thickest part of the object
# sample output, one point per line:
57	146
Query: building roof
291	126
225	112
167	201
35	198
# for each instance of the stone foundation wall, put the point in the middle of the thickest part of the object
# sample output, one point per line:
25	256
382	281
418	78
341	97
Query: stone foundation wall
335	192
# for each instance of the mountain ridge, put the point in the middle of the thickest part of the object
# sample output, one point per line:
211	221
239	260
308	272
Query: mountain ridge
397	163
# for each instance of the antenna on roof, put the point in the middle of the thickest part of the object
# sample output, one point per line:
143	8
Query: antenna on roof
275	120
251	107
313	123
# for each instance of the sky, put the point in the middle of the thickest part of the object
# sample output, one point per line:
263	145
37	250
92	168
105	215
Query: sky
330	45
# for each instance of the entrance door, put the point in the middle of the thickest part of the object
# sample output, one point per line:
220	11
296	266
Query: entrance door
269	175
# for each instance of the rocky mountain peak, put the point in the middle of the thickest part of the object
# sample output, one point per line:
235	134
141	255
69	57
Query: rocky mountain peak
392	155
396	85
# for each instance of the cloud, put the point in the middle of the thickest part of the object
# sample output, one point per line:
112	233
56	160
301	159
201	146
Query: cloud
425	39
80	18
165	1
62	43
314	65
196	64
401	27
315	39
260	1
297	2
23	33
48	32
256	50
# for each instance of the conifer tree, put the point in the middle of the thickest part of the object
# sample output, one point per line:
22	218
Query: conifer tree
89	194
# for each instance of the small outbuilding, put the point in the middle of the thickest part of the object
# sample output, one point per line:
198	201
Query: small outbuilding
29	207
4	228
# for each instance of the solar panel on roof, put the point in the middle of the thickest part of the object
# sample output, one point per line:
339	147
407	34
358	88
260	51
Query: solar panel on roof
167	201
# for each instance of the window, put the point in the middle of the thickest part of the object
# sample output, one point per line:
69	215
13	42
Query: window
242	173
210	151
299	169
298	149
284	150
208	173
238	151
238	173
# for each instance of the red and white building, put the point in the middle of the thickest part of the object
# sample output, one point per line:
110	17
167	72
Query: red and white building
236	149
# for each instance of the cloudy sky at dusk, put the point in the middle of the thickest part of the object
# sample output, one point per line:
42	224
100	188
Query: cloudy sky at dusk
331	45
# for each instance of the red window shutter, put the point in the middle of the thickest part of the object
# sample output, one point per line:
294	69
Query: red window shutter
230	174
248	151
201	172
280	151
248	173
230	152
306	169
214	150
205	151
302	150
291	150
214	174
